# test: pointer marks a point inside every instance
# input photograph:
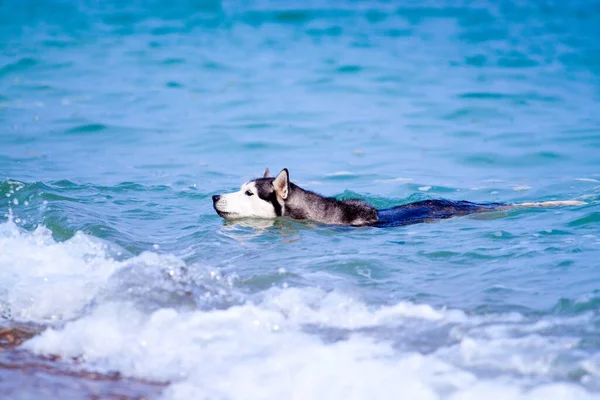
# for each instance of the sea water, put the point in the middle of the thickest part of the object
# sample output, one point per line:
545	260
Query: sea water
120	119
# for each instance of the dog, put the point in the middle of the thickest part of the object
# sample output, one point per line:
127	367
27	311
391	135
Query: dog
269	197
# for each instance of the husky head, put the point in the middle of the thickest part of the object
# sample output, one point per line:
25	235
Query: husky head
259	198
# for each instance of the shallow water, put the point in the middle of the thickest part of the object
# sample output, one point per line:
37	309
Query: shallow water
118	122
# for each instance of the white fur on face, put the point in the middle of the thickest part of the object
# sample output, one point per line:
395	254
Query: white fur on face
240	205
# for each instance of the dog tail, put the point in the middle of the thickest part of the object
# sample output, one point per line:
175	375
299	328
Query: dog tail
547	204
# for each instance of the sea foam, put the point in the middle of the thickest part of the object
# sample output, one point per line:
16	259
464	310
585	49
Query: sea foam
303	343
309	344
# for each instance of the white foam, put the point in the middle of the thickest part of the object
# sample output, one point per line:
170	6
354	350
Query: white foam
44	281
340	173
308	344
395	180
559	203
282	343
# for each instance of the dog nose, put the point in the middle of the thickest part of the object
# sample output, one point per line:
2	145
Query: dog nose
216	198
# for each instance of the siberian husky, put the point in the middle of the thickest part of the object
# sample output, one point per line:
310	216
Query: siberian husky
269	197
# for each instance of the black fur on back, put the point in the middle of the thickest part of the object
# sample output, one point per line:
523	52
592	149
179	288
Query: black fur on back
431	210
327	209
306	205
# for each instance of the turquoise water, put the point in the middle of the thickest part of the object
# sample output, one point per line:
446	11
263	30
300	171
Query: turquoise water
120	120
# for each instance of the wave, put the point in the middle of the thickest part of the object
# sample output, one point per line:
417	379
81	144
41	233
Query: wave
307	343
154	317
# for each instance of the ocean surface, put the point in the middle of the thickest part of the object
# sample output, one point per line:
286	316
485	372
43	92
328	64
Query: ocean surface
120	119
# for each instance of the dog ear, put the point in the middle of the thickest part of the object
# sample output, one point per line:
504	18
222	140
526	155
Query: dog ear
267	173
282	184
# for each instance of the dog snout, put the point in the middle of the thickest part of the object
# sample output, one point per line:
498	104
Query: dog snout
216	198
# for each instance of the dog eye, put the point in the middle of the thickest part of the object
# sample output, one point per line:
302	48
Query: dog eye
249	193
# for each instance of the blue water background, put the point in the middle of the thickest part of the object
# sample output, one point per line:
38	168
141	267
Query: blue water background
122	119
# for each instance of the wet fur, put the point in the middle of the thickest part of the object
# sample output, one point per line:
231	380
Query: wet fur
304	204
289	200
